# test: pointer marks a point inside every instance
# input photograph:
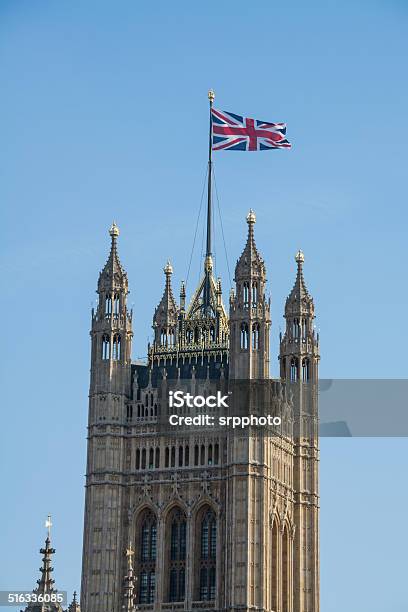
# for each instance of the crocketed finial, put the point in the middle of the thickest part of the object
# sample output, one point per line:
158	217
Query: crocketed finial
299	257
114	230
251	217
168	268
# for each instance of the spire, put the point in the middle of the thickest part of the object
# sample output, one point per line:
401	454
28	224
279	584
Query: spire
250	260
45	584
299	345
129	583
113	276
74	605
299	300
167	308
182	296
165	316
249	313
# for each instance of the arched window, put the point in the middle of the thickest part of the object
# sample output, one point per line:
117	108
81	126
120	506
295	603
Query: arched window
244	336
254	293
146	555
143	459
296	328
173	456
187	455
202	455
105	347
216	453
246	293
163	337
196	335
180	457
206	570
275	565
138	459
255	336
305	370
189	336
151	459
177	527
283	365
116	347
286	571
157	463
116	304
212	333
196	454
210	454
166	462
108	305
294	369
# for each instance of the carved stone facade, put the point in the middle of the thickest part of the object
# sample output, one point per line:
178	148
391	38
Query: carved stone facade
213	520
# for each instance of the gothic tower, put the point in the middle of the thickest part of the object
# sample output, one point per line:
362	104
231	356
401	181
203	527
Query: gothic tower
111	338
217	520
249	314
299	359
299	347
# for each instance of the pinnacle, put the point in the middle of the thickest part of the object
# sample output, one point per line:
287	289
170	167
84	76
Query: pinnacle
250	255
113	271
299	294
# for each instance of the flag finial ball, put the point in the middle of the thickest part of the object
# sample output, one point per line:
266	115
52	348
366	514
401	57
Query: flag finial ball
168	268
114	230
251	216
299	257
211	95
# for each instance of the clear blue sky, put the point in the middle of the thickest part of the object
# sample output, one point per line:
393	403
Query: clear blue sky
104	115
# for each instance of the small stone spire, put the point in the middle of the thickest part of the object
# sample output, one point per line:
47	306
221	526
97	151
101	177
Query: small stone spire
299	300
113	275
129	583
168	303
166	313
250	260
249	313
74	605
182	296
299	345
45	584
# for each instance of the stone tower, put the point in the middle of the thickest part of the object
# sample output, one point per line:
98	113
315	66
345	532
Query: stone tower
249	314
299	360
111	339
214	520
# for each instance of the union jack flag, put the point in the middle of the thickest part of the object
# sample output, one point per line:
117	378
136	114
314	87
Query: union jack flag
236	133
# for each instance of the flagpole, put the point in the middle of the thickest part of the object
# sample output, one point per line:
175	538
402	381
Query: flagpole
211	96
